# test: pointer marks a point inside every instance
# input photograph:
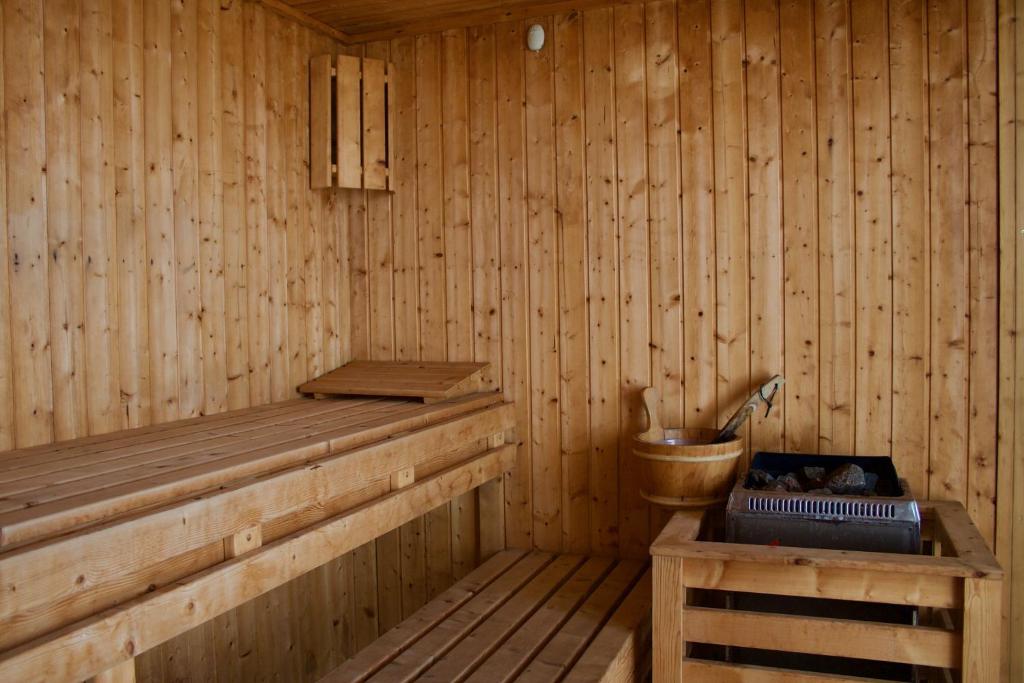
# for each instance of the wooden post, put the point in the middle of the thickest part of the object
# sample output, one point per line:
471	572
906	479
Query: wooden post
122	673
491	506
668	620
982	630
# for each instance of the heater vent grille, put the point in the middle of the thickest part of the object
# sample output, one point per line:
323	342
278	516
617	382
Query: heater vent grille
826	508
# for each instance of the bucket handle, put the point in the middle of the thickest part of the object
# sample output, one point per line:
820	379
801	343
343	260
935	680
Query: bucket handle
654	430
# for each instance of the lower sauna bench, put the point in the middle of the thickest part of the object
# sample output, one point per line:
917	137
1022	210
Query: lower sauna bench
524	617
111	545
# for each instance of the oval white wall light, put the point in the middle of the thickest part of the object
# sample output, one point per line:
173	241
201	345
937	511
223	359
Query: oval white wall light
535	37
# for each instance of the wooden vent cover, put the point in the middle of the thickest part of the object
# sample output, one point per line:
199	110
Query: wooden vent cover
429	381
349	123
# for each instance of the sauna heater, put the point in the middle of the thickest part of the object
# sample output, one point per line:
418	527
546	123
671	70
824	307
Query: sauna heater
882	517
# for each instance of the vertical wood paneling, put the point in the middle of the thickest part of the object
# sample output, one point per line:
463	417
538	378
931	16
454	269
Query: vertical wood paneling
458	239
512	222
316	257
299	230
602	261
1009	537
403	55
430	226
99	236
910	233
571	203
687	194
277	208
873	227
800	225
129	209
233	214
380	261
184	159
632	230
146	125
7	437
983	238
412	572
429	199
359	304
764	171
484	229
543	293
384	597
481	73
1017	539
159	218
697	211
782	158
662	168
949	248
732	309
64	216
835	219
257	270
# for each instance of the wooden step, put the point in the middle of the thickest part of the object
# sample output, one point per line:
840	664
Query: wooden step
521	616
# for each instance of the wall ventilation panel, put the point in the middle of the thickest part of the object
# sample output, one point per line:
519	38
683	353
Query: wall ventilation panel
349	123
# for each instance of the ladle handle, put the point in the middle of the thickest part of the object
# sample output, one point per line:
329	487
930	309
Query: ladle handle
654	429
766	392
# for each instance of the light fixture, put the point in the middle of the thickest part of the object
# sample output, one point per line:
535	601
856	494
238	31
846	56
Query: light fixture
535	38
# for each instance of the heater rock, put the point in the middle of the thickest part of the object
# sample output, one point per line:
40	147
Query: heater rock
759	479
791	483
813	476
847	479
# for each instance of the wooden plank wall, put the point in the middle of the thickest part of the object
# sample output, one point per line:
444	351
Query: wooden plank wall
1010	522
687	194
163	257
697	195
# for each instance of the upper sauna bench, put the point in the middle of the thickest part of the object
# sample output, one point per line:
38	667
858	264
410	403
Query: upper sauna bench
113	544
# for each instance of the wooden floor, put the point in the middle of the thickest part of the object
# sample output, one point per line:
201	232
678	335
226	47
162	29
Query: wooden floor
525	617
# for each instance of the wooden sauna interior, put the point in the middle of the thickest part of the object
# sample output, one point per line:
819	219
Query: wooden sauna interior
687	194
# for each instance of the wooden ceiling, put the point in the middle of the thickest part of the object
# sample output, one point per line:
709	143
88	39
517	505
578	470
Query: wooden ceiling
359	21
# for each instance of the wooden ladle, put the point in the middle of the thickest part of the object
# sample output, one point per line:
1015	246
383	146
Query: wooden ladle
655	432
765	393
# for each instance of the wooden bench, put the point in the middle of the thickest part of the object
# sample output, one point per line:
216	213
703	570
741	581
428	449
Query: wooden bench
111	545
523	616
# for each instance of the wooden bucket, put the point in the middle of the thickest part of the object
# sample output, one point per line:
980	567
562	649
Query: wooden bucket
681	468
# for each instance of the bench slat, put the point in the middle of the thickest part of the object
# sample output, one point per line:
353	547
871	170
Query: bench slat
569	643
620	651
517	652
493	632
434	645
373	657
523	618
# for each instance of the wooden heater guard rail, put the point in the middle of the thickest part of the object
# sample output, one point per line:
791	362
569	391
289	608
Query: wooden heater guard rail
209	552
962	581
